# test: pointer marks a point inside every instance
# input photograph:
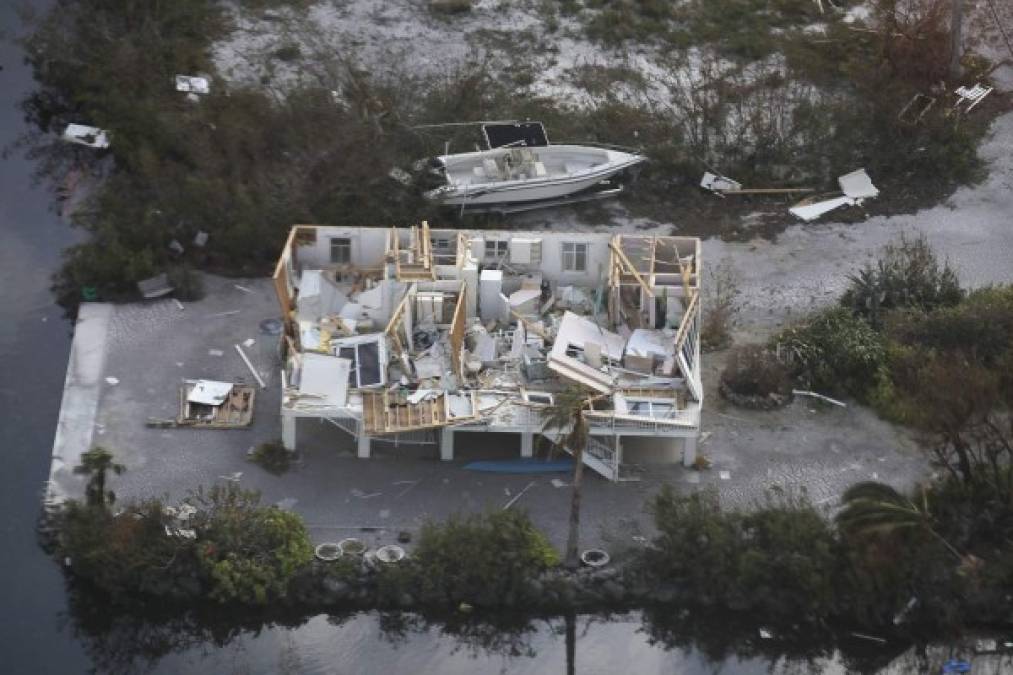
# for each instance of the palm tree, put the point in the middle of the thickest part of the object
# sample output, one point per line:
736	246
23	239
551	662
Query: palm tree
565	420
95	464
877	508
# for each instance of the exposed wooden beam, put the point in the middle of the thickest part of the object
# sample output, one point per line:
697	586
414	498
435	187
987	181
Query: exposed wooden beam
632	270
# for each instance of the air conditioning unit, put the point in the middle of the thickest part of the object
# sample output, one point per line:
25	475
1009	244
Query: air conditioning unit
525	251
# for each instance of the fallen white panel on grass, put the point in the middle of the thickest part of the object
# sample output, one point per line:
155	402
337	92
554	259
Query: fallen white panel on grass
193	84
858	185
81	134
716	183
810	212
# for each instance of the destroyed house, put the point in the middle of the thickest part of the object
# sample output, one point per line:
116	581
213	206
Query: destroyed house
421	333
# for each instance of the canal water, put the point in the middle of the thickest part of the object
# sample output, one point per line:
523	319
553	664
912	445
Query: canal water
40	632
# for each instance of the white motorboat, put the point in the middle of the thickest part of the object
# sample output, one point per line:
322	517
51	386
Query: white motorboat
523	170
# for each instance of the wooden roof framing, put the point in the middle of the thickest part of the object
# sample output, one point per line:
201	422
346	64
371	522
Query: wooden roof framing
420	252
385	413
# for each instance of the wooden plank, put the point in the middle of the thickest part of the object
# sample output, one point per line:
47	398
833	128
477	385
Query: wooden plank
632	269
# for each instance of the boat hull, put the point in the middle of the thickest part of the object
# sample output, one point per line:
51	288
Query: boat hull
534	189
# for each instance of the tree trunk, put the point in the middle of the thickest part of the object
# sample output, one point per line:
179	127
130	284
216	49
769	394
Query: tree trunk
956	37
571	643
572	557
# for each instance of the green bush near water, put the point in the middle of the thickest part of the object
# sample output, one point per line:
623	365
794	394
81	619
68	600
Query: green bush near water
481	559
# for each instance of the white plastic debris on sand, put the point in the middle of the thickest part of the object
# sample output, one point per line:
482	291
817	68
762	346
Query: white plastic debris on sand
93	137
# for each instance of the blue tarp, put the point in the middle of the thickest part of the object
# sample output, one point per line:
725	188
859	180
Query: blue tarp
522	466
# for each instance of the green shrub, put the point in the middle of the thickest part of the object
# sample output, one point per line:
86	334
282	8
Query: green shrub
980	327
835	351
450	6
779	560
753	370
484	559
906	275
188	284
248	552
121	554
273	457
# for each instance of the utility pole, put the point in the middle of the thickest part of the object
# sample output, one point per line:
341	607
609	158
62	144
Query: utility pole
956	37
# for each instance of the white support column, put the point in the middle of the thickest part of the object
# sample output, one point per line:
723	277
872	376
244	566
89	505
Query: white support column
689	451
362	451
447	444
288	423
527	445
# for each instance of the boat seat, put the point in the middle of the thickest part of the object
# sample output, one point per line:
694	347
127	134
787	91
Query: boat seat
540	169
478	171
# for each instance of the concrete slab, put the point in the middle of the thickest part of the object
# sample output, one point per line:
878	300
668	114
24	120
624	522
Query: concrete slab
151	347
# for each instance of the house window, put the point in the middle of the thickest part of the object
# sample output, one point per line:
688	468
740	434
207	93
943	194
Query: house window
496	248
574	257
441	244
341	250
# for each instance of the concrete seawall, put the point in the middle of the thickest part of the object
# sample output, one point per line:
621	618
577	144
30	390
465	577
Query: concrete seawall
82	391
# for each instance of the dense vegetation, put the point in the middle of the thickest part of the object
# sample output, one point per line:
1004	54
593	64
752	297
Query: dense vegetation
244	163
228	548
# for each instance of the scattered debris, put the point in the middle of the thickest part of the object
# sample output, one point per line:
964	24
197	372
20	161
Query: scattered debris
719	184
871	638
176	247
249	365
328	552
722	185
155	287
193	84
200	239
856	186
244	289
832	401
93	137
433	329
518	496
901	616
359	494
179	305
215	405
112	380
725	475
986	646
215	352
249	342
969	97
595	557
766	634
390	554
916	109
556	483
232	477
231	312
401	176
